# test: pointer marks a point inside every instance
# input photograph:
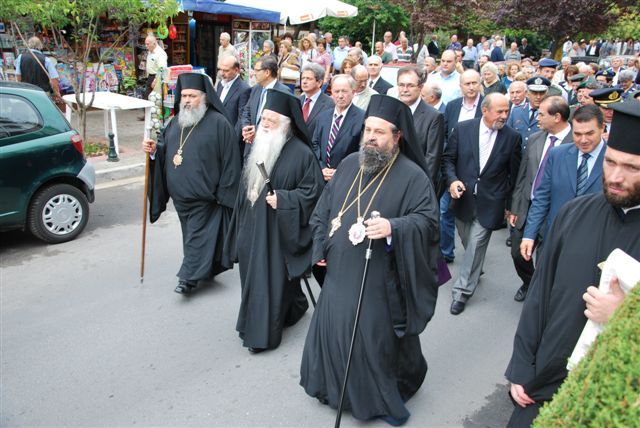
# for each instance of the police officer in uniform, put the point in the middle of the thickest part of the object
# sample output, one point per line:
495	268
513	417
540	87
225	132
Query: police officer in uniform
525	120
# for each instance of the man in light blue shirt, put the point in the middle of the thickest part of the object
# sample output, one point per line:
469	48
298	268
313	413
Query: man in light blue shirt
29	68
448	78
340	53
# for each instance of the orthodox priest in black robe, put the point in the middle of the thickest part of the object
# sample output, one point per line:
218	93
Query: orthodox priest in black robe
390	175
583	235
197	164
270	236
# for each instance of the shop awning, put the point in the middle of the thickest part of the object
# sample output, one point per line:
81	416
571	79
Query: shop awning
299	11
227	8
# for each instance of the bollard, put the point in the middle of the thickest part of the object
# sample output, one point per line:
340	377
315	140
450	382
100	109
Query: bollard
112	156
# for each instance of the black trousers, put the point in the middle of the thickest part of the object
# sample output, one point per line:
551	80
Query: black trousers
522	417
524	269
148	87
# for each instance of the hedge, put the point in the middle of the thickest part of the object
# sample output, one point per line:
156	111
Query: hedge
604	388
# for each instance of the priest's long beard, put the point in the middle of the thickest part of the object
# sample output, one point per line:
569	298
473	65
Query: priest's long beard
266	148
373	159
632	200
190	116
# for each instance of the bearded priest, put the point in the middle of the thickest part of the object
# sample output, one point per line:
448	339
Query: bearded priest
388	175
271	236
196	162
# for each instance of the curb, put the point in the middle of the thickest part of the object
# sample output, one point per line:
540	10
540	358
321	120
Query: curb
129	166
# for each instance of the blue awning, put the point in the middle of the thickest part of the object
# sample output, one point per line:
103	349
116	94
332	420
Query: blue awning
222	8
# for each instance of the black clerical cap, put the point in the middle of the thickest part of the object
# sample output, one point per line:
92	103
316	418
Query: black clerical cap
203	83
287	105
624	127
396	112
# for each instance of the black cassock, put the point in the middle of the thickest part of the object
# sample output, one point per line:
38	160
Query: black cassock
400	296
583	234
273	247
203	189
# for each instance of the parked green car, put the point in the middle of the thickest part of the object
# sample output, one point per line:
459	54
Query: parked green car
46	183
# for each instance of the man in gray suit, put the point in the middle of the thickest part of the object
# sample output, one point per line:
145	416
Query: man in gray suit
313	101
428	122
553	119
266	72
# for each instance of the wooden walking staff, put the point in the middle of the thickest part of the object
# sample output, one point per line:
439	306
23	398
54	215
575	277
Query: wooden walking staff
367	257
145	204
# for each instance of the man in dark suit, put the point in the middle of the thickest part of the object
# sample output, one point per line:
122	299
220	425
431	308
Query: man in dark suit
480	165
376	82
338	130
570	171
554	121
313	101
428	122
433	48
458	110
266	73
232	90
432	95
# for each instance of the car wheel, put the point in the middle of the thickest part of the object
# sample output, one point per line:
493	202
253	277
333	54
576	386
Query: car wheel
58	213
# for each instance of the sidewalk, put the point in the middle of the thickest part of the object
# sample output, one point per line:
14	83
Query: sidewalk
130	133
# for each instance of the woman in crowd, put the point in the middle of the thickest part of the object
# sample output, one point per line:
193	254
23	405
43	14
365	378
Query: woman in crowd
288	65
513	68
490	81
324	59
307	52
347	65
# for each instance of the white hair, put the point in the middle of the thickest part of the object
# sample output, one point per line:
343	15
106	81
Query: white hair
265	148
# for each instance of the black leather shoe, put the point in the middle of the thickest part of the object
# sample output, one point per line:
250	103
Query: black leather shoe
521	293
256	350
457	306
449	259
508	243
184	287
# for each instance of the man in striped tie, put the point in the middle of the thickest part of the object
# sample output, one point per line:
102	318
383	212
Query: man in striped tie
571	170
338	130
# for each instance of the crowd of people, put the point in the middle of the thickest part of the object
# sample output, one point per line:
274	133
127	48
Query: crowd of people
355	172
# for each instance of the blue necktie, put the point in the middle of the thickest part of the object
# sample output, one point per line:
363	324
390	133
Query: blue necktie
583	174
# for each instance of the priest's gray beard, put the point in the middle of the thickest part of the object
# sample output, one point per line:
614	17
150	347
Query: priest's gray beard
266	148
190	116
373	158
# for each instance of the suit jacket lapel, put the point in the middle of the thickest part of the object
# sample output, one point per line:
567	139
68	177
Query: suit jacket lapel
571	165
540	147
232	90
345	122
316	108
596	171
475	149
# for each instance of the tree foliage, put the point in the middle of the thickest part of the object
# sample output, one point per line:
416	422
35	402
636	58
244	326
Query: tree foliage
388	17
74	26
562	18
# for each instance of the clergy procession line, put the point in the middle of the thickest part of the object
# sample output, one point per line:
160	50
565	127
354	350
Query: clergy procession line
287	187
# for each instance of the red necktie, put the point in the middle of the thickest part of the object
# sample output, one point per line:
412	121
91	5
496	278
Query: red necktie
305	109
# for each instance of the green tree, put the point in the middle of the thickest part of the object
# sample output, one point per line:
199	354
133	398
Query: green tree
75	25
562	18
387	16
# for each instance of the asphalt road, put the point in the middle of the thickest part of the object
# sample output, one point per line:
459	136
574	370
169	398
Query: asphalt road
84	343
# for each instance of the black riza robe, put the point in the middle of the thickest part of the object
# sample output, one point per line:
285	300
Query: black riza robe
400	296
273	247
583	234
203	189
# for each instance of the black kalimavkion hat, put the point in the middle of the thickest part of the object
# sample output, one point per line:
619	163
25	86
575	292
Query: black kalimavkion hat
624	127
396	112
288	105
